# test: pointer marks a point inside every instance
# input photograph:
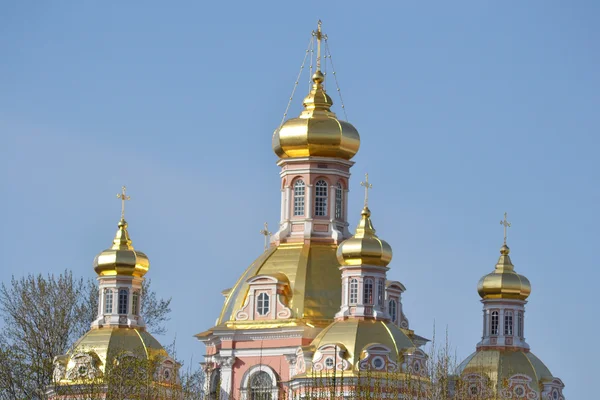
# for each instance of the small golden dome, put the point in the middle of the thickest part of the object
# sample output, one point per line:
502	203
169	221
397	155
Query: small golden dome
121	258
317	131
364	247
504	282
355	336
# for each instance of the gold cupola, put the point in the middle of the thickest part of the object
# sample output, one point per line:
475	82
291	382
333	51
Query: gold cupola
504	282
364	248
317	131
121	258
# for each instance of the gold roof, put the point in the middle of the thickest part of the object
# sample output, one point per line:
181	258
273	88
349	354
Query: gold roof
121	258
504	282
109	343
499	365
314	282
355	335
317	131
364	247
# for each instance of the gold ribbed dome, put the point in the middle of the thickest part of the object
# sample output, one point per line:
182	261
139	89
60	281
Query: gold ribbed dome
364	247
499	366
317	131
356	335
121	258
504	282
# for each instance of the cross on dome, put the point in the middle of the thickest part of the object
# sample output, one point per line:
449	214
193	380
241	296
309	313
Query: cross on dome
367	186
320	36
506	225
265	232
123	196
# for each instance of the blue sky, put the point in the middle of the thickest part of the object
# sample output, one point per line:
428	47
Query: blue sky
465	109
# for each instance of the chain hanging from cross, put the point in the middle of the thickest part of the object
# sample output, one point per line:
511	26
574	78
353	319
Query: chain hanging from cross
506	225
123	196
367	186
265	232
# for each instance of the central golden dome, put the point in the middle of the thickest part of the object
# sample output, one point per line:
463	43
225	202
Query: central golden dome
317	131
364	247
504	282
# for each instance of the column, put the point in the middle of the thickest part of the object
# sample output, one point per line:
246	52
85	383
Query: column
226	364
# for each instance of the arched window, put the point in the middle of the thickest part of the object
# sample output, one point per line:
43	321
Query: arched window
380	292
215	384
368	292
393	306
262	304
353	291
108	301
339	193
494	329
135	303
520	324
261	386
321	198
123	297
299	188
299	198
508	323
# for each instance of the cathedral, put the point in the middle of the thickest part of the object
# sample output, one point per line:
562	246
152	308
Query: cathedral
315	313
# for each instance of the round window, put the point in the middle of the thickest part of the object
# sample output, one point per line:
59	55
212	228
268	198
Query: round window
519	391
82	370
329	362
555	395
167	374
474	390
417	366
378	362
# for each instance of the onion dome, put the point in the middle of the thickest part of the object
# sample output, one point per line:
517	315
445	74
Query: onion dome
504	282
317	131
364	248
121	258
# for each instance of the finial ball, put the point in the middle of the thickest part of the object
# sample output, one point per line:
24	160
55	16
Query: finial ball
318	77
504	250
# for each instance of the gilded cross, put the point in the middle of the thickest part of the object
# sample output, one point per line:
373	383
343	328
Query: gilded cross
367	186
123	196
506	225
319	35
265	232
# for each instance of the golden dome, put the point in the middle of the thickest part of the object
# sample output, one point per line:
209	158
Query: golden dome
106	346
504	282
356	335
315	287
499	366
317	131
364	247
121	258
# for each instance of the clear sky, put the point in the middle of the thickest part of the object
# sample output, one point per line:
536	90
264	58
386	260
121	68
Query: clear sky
465	109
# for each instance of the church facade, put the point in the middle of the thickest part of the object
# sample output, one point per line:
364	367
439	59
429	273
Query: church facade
316	308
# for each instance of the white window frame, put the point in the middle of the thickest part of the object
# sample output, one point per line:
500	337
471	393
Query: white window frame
263	304
123	301
353	292
494	323
508	323
321	195
339	201
380	292
108	301
393	309
299	197
368	287
520	324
